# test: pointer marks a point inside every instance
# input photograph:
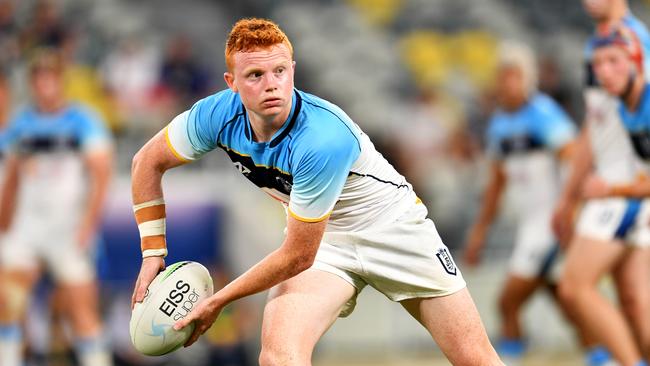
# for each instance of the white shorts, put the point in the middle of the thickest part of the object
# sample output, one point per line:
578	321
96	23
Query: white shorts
32	244
403	260
535	249
609	219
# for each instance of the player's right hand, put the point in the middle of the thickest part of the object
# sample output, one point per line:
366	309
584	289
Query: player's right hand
473	248
562	224
151	266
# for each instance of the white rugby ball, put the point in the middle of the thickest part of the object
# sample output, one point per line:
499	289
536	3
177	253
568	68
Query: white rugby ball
170	297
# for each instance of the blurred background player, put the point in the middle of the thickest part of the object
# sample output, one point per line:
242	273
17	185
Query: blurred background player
610	229
57	173
618	67
528	138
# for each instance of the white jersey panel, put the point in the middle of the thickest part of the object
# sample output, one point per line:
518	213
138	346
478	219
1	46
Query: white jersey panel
374	193
614	157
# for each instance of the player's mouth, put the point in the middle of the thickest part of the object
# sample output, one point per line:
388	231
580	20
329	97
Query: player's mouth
272	102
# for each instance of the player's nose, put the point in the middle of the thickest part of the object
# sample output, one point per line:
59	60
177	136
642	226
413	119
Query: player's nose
270	82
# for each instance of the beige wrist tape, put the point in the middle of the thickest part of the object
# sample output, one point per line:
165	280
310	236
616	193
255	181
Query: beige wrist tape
150	217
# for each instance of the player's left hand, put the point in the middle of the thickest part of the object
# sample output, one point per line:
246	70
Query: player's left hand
595	187
203	317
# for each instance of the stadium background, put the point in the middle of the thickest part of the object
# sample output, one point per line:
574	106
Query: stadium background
417	75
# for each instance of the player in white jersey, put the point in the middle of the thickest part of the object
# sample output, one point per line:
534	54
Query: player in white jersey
612	230
352	220
529	137
58	167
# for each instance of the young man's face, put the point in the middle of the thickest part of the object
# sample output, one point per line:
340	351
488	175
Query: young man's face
511	87
264	80
613	68
47	86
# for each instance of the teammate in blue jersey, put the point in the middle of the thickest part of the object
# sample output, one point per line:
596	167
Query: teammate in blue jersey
57	172
528	138
611	232
352	220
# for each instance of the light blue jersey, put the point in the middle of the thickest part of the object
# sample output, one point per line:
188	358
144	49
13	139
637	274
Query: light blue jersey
52	148
73	128
637	123
318	164
540	124
526	141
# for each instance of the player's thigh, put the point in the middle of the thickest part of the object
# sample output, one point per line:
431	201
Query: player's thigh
301	309
588	259
80	306
456	326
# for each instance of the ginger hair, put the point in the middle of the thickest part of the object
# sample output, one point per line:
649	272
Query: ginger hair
250	34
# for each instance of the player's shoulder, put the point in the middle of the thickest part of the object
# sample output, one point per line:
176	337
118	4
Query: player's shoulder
22	117
82	112
543	106
636	25
498	121
318	106
324	121
221	105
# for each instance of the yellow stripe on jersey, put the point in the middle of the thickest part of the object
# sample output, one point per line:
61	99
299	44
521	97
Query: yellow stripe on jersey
304	219
171	147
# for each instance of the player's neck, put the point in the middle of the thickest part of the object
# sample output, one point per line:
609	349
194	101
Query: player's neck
264	127
634	97
50	106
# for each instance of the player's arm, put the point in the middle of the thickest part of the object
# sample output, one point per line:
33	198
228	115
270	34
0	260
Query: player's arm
321	163
149	165
295	255
188	137
99	163
10	188
579	167
489	207
596	187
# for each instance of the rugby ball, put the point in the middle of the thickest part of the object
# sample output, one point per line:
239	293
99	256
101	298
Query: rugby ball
170	297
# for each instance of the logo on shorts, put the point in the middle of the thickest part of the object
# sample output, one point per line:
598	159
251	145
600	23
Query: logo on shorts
446	261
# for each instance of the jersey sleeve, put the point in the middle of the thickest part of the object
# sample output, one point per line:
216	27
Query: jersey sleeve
11	133
559	129
93	134
321	169
193	133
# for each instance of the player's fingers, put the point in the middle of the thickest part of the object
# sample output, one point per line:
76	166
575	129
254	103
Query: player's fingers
183	322
135	290
198	330
141	290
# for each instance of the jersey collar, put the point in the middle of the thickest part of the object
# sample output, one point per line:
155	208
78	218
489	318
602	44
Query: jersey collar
296	106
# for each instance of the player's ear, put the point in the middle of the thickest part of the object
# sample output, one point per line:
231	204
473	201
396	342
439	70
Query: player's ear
230	80
293	65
